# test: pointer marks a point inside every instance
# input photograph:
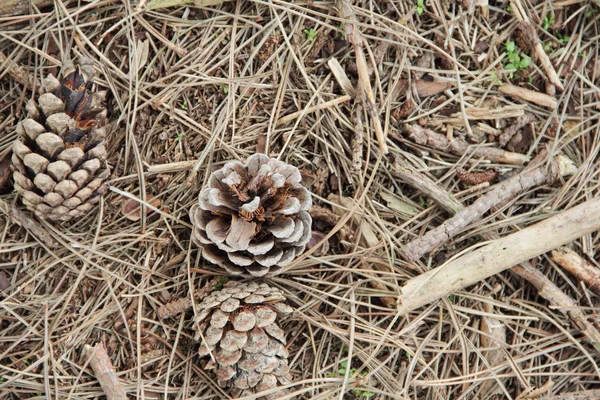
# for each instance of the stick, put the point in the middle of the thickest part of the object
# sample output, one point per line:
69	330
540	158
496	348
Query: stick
330	103
15	7
364	81
500	254
22	219
538	98
459	147
546	288
427	186
578	267
341	77
501	193
105	372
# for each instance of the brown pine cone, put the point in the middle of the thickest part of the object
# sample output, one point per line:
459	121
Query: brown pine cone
241	337
59	158
252	218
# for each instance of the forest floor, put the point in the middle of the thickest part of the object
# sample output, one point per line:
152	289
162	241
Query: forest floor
381	105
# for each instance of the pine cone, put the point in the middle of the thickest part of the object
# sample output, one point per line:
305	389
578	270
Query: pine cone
238	326
252	218
59	159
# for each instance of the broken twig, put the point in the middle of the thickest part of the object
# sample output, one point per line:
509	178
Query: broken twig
105	372
578	267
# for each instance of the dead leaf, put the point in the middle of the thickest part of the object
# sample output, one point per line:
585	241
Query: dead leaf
4	281
131	208
425	88
396	204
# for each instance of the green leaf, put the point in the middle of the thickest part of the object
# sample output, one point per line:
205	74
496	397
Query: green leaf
419	10
525	63
509	66
509	8
510	47
420	3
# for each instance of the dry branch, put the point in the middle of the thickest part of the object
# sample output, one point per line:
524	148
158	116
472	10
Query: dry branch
22	219
578	267
427	186
501	193
340	76
459	147
538	98
514	128
500	254
105	372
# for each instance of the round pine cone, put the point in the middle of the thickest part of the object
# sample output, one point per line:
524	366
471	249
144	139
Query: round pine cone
252	218
239	327
59	158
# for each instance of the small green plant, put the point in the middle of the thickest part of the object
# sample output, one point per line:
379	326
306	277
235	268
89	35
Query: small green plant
179	136
563	39
495	78
224	88
311	34
548	22
424	202
509	8
420	7
357	392
516	62
184	105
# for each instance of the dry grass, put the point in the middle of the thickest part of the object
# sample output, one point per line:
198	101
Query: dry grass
207	85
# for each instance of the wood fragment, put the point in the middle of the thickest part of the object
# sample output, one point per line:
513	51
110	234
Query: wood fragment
422	87
477	113
16	71
309	110
538	98
494	338
574	264
174	308
509	132
340	76
498	195
500	255
457	146
105	372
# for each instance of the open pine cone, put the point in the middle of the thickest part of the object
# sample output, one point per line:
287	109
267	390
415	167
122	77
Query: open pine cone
252	218
59	158
239	327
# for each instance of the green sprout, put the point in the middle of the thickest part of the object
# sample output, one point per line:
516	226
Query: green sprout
548	22
224	88
420	7
179	136
311	34
184	105
495	78
516	62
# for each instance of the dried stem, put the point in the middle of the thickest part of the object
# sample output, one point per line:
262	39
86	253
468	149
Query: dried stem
323	106
105	372
540	99
457	146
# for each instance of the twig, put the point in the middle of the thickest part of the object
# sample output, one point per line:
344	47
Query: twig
364	81
500	255
154	4
537	50
459	147
538	98
578	267
105	372
430	188
477	113
322	106
514	128
500	194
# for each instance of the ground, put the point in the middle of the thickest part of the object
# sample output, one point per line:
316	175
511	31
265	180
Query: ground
189	88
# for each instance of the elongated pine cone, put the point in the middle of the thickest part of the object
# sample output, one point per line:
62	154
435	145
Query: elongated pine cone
240	333
252	218
59	158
